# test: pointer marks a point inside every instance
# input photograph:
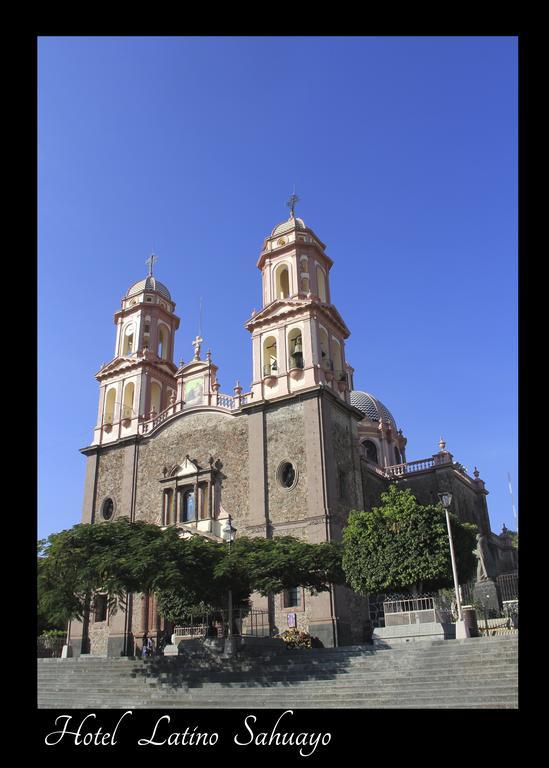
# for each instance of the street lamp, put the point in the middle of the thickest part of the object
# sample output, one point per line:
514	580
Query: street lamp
229	532
461	630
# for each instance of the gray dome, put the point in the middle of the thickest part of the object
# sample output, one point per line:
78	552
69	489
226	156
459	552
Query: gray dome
286	226
371	407
150	283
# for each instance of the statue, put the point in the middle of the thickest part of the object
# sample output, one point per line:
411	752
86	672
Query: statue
484	558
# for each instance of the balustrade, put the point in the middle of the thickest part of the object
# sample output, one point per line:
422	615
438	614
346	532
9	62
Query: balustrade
397	470
219	400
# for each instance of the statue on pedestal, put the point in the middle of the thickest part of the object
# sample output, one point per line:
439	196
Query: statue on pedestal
484	556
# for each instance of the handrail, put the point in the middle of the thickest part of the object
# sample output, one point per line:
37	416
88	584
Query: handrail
219	400
409	467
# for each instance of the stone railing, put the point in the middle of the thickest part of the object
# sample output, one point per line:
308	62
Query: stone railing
218	400
410	467
397	470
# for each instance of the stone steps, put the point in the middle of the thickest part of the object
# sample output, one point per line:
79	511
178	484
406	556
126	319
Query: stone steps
476	673
306	687
463	702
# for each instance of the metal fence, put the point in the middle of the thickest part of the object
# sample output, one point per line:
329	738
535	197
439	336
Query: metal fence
508	586
416	610
245	623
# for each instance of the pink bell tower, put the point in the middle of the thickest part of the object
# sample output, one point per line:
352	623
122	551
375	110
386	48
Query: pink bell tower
298	336
140	379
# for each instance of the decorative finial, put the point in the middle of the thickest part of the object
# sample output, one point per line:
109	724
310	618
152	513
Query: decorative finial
441	444
291	203
151	261
476	473
181	363
209	355
196	344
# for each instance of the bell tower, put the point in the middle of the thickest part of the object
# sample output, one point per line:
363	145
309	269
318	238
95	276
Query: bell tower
298	336
140	379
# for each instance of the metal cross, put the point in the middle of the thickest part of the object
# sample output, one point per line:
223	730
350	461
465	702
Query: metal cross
291	204
151	261
196	344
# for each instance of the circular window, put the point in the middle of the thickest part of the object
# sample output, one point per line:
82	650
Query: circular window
281	241
287	475
107	510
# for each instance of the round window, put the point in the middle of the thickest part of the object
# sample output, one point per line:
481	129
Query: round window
107	510
287	475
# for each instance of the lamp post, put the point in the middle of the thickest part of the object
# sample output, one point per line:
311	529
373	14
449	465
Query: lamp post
229	532
461	629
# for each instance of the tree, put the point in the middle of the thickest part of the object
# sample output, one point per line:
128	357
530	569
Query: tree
121	556
113	558
404	545
269	566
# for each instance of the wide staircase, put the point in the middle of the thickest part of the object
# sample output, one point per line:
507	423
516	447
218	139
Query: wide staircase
477	673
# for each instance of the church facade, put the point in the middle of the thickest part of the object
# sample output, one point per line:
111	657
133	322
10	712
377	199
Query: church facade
291	456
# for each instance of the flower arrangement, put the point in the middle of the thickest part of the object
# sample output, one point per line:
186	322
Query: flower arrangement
295	638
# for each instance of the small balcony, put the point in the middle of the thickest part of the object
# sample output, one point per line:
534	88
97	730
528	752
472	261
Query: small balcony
270	373
328	368
295	365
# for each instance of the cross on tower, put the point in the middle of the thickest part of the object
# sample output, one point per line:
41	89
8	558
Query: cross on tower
151	261
291	204
196	344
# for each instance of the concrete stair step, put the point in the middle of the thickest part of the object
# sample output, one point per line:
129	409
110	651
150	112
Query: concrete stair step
431	675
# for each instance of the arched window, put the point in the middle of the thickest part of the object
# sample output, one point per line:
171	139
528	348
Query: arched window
270	358
163	336
295	349
187	507
127	407
156	395
127	345
338	361
282	282
325	360
371	451
110	402
321	284
147	335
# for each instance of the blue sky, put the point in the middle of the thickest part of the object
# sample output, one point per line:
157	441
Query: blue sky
404	154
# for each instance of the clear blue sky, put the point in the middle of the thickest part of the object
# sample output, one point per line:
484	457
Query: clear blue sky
404	154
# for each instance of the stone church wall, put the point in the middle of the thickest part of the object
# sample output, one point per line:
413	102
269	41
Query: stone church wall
200	435
344	465
372	487
111	481
285	441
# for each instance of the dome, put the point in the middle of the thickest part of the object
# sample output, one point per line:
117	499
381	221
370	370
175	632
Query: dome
150	283
286	226
371	407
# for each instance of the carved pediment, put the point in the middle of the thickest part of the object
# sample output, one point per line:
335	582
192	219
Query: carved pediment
186	468
124	364
287	307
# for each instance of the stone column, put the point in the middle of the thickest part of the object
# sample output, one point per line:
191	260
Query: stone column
256	468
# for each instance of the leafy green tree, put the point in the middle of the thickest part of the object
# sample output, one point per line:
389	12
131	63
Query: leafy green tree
120	557
114	558
269	566
404	545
